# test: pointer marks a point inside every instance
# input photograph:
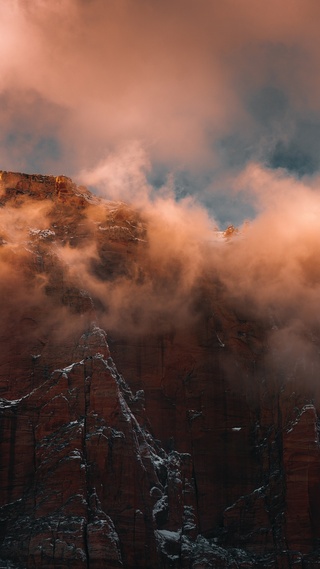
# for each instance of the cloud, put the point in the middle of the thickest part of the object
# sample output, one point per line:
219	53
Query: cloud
198	113
161	267
122	175
171	254
203	87
270	271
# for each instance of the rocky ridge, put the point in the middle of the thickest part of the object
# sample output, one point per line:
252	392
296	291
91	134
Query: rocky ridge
130	446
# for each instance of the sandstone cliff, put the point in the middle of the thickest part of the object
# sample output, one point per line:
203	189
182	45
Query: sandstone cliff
141	426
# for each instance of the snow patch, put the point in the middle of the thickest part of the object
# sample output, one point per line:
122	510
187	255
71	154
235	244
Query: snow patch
42	233
169	535
305	409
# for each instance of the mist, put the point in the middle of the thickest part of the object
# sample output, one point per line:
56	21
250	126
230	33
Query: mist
161	266
195	114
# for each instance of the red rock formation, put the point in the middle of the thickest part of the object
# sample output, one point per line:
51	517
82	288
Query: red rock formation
171	447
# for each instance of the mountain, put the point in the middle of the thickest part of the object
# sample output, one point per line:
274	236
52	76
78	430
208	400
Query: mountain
142	425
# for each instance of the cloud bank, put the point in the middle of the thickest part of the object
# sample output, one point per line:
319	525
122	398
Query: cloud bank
201	88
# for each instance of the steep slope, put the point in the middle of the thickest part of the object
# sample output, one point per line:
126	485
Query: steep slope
142	424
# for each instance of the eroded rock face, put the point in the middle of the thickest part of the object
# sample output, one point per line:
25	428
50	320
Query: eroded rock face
140	428
87	483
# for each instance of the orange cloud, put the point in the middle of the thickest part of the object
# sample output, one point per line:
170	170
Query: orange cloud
169	74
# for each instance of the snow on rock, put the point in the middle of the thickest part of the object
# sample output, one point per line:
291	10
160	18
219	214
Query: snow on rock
42	233
87	434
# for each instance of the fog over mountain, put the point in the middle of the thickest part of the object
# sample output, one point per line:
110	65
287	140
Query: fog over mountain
160	281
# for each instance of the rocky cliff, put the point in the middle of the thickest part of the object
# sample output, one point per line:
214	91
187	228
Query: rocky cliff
142	424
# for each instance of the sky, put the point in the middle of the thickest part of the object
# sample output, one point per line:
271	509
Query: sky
141	98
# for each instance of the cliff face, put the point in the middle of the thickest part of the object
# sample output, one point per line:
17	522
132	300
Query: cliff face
140	426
